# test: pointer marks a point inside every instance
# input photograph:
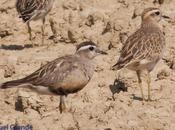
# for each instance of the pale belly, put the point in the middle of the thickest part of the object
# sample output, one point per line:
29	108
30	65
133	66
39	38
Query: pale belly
40	15
143	65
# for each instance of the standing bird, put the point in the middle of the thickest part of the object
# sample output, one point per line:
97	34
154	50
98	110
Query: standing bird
64	75
144	48
33	10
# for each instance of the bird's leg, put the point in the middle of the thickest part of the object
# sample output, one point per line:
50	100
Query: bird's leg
29	31
62	105
54	31
149	86
140	83
42	30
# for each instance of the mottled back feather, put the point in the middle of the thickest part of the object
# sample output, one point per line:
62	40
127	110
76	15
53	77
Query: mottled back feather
143	44
31	8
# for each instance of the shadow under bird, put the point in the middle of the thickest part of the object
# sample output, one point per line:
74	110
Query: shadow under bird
144	48
34	10
62	76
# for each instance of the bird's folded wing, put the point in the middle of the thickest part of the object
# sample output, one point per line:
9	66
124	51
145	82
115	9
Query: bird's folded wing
27	8
51	73
137	47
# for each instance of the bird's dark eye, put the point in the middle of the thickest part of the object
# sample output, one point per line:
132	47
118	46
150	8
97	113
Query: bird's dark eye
157	13
91	48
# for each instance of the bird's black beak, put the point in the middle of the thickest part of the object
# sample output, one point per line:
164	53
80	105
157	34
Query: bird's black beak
166	17
101	52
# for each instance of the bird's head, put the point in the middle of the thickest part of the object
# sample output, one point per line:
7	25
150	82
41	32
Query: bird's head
89	50
152	14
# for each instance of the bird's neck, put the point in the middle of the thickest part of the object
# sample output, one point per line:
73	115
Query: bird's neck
150	23
82	55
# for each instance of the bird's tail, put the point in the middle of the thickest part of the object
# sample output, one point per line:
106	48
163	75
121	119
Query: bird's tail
23	83
117	66
11	84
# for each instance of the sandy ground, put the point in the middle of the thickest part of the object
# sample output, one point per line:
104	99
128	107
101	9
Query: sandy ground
101	105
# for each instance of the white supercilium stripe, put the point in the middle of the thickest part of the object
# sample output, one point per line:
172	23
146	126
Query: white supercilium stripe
85	47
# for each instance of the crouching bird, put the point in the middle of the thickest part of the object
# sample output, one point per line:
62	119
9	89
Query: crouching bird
62	76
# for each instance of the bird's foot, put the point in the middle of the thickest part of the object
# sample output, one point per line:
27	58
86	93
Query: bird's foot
62	108
150	100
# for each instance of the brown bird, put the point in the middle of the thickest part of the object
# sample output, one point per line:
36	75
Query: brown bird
144	48
64	75
34	10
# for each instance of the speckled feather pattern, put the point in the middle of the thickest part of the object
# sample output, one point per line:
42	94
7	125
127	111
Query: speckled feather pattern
147	43
33	9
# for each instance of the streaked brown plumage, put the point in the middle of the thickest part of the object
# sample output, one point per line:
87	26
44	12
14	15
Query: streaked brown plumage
144	48
64	75
33	10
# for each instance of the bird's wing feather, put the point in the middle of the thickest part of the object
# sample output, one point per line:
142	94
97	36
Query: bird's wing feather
61	76
28	8
137	47
52	72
